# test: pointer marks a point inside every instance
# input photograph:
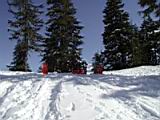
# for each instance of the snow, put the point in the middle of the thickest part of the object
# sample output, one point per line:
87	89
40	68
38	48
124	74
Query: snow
156	31
130	94
137	71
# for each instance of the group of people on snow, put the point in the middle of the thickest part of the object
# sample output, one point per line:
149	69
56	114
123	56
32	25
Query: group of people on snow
79	68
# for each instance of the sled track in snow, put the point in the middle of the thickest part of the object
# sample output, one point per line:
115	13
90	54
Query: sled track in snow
27	100
73	97
53	113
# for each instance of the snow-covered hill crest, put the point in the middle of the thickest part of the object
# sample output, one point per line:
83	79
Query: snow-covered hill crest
131	94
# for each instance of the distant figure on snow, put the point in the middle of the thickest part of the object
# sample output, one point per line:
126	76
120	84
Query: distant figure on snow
45	69
98	69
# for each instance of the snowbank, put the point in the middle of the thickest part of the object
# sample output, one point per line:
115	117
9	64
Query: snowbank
137	71
131	94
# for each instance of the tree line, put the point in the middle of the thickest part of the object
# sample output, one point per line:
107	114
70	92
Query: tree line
125	45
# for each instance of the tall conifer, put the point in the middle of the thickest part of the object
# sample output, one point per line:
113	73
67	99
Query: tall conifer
150	32
117	35
150	41
137	55
150	6
24	29
62	44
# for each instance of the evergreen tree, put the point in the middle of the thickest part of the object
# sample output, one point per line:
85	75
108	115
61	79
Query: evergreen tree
62	45
150	40
136	48
150	6
20	59
117	35
157	43
150	32
24	28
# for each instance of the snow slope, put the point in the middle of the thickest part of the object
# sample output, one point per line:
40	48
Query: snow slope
131	94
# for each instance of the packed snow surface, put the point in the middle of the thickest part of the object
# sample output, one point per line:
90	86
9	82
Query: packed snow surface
131	94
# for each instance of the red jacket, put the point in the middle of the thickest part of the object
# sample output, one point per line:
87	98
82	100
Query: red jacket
99	69
44	68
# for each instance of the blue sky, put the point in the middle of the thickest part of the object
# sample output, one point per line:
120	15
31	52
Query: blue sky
89	12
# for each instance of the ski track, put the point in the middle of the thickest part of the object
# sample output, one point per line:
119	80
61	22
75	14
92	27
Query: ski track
26	100
64	97
121	109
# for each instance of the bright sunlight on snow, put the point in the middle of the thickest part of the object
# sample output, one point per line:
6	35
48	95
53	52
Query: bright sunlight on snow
131	94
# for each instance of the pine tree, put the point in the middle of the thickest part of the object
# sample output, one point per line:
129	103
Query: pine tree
150	6
20	59
136	47
157	43
150	32
24	28
117	35
150	40
62	45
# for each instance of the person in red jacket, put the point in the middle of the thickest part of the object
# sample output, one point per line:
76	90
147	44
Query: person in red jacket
45	69
98	69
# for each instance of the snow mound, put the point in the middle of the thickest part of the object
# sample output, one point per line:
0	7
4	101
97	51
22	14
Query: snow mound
29	96
137	71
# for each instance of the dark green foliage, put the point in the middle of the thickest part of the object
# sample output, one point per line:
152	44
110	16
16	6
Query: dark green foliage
61	46
150	32
136	48
150	40
20	58
117	36
150	6
24	28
